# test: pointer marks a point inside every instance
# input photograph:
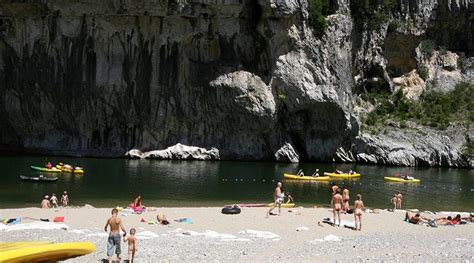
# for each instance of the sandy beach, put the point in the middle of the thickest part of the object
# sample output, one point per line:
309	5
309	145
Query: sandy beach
294	236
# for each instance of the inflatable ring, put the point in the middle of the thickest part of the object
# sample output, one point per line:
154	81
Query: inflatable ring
231	210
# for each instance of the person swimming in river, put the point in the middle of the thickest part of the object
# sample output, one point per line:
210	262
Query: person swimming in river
300	173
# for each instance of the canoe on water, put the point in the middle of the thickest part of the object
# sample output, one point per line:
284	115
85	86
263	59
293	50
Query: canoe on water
344	175
306	178
43	251
70	170
400	180
38	178
44	169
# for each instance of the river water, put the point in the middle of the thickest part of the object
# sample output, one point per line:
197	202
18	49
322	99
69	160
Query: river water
116	182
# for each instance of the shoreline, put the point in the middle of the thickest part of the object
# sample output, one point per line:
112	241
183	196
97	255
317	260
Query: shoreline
296	236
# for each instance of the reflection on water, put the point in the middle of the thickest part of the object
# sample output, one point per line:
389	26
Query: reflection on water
111	182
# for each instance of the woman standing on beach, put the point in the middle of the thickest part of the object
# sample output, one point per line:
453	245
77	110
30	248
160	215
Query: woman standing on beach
358	206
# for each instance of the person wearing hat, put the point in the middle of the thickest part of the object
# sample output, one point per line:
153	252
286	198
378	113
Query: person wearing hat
45	202
64	199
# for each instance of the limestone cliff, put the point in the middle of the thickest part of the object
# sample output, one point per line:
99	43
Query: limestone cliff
248	78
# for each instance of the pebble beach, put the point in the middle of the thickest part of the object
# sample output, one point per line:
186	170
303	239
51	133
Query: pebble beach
297	235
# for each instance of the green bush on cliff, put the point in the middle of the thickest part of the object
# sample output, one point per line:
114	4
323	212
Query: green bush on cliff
468	148
318	10
372	12
427	47
434	109
423	72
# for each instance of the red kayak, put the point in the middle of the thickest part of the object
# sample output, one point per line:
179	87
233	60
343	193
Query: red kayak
247	205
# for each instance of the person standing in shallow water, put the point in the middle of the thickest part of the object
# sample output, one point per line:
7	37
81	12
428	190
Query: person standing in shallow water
113	241
358	206
399	200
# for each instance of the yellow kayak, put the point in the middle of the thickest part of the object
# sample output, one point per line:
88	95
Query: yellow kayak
285	205
43	251
345	176
400	180
69	170
306	178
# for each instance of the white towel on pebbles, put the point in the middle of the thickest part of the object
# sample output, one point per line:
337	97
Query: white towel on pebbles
34	225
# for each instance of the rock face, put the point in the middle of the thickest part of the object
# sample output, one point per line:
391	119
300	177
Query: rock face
287	154
415	147
242	76
177	152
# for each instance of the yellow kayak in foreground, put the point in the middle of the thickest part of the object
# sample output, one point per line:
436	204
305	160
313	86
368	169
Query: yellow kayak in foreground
345	176
400	180
306	178
43	251
285	205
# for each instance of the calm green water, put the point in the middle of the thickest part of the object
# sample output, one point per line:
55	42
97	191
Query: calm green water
112	182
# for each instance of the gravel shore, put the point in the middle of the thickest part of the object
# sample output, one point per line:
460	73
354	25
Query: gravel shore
296	236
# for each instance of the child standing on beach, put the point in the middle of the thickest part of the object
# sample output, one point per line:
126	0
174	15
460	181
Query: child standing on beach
132	244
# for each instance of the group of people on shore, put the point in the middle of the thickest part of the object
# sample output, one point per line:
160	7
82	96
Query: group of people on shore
52	202
396	201
340	204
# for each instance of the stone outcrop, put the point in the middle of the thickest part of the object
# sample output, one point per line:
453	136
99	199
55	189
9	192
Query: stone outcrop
412	147
247	79
176	152
287	154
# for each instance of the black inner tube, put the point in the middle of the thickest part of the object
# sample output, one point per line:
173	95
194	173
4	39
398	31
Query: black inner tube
231	210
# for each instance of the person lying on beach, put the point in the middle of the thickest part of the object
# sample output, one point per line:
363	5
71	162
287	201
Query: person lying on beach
415	219
113	241
456	220
45	202
132	244
469	218
336	203
162	219
443	221
53	200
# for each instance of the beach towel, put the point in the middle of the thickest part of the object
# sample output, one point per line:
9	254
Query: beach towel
13	221
58	219
185	220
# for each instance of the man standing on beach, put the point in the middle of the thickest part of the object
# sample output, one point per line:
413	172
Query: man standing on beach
113	242
399	200
278	198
